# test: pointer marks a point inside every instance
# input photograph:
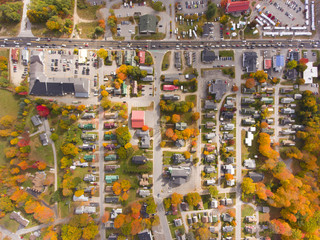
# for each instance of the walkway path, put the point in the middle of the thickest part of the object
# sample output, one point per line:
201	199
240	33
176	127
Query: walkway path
25	28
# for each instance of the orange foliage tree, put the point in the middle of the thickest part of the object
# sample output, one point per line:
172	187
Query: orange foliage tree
119	221
135	210
105	217
176	198
250	83
43	214
175	118
169	133
135	226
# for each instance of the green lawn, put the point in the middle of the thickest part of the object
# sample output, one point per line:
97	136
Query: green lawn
87	29
166	61
192	98
155	36
9	104
226	53
9	224
86	10
247	210
40	152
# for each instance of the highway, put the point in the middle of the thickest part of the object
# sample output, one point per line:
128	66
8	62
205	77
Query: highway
159	44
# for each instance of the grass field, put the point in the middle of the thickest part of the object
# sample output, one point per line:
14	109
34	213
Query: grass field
87	29
40	152
156	36
9	224
9	29
86	10
166	61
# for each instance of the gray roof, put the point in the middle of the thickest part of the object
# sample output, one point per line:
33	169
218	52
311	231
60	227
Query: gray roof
148	69
148	78
179	175
145	142
181	126
36	121
209	104
140	133
207	56
249	61
291	74
148	24
179	143
256	177
44	139
218	88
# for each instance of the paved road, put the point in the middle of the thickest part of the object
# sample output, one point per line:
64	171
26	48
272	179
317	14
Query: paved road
25	28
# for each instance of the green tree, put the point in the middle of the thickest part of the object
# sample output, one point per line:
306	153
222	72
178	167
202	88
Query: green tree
301	67
157	6
212	8
10	11
193	198
69	149
300	81
105	103
123	135
149	60
292	64
6	205
54	137
69	232
90	231
248	187
213	190
98	30
224	19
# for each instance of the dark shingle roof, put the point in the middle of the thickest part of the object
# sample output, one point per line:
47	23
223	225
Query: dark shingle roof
148	24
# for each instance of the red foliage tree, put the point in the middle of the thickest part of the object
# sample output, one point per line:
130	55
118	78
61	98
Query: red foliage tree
43	111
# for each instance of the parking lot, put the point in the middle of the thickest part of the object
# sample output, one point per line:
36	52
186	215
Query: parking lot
147	90
190	7
288	13
126	29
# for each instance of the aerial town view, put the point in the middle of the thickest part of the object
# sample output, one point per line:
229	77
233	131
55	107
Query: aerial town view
159	120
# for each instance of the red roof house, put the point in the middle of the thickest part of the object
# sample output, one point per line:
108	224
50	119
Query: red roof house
142	57
237	6
170	87
267	63
137	119
15	55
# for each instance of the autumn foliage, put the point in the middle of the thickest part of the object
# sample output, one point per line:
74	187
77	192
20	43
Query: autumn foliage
43	111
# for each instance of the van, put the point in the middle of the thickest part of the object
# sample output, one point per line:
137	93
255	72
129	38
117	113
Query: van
63	45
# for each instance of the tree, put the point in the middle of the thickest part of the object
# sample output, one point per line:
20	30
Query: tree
292	64
30	206
162	144
102	53
90	231
203	233
228	176
248	186
145	128
43	111
125	185
235	88
187	154
213	190
264	125
135	210
7	121
167	203
175	118
43	214
301	67
193	198
300	81
224	19
260	76
212	8
135	226
123	135
119	221
98	30
69	232
157	6
104	93
105	102
6	205
10	11
169	133
65	162
250	83
69	149
176	198
195	116
19	196
148	60
116	188
54	137
279	226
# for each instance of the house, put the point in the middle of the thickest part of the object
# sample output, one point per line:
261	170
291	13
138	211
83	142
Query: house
227	228
142	57
170	88
228	168
110	147
190	76
19	219
44	139
181	126
285	121
88	116
111	178
249	138
145	235
210	125
179	175
15	55
237	6
177	222
90	189
81	198
128	56
265	209
148	24
145	142
89	136
88	126
25	57
287	111
249	163
267	63
110	157
111	168
231	182
210	105
139	160
124	89
210	148
41	85
266	100
207	56
250	219
286	90
287	132
172	97
210	115
226	217
209	169
250	229
269	130
291	74
230	160
226	201
144	193
80	164
210	182
109	125
135	88
218	88
209	136
109	199
169	78
148	78
85	209
87	147
119	58
293	55
248	111
248	90
178	158
109	136
184	206
228	127
278	62
111	115
214	203
39	182
144	180
148	69
286	100
248	121
227	115
137	119
115	212
297	96
310	73
209	158
177	60
36	121
288	143
256	177
89	178
249	60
